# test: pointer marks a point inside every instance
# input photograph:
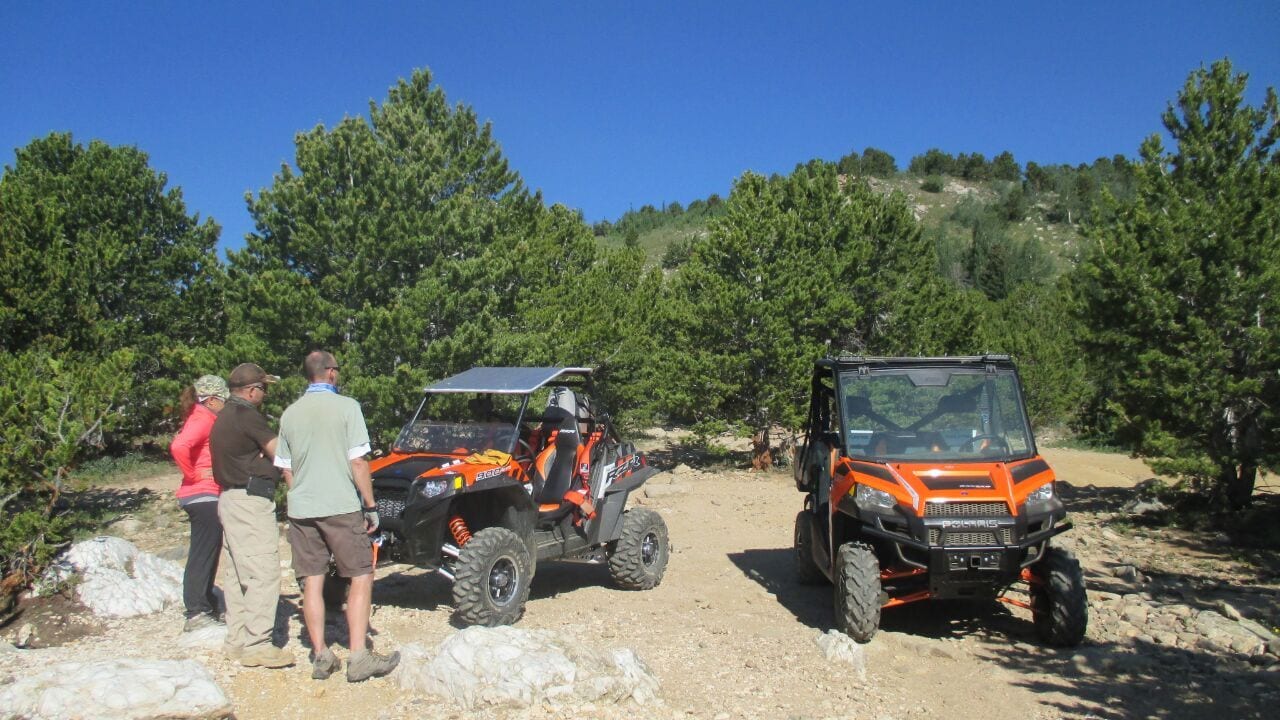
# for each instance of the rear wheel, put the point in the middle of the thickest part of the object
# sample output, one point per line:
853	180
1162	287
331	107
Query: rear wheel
857	591
638	559
335	590
1058	599
807	573
491	582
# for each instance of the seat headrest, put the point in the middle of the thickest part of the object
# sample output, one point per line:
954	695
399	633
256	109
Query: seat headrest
563	398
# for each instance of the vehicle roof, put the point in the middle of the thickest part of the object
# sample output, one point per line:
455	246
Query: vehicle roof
504	380
853	361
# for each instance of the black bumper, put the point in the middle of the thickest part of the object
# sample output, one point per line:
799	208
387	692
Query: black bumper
963	557
414	528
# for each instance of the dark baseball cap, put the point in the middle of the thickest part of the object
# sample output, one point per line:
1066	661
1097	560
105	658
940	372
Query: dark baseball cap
247	374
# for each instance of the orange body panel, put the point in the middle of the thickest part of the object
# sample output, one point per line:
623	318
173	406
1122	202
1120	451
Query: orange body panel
470	472
942	482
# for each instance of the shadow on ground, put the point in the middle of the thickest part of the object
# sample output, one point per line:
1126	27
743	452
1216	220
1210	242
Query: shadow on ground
102	503
1139	681
774	570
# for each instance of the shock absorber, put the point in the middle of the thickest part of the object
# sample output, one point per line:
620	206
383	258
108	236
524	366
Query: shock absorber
458	527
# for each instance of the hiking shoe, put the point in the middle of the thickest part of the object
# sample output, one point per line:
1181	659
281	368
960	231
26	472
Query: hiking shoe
233	652
324	664
266	655
200	622
365	664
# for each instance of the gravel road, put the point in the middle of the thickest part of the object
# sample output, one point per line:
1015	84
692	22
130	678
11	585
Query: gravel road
730	634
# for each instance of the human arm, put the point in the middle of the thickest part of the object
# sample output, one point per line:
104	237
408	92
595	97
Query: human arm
364	488
283	458
190	442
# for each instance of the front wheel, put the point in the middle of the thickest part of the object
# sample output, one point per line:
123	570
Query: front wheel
491	582
638	559
1058	600
857	591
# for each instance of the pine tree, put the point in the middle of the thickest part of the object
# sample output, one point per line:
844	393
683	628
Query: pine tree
1179	292
799	267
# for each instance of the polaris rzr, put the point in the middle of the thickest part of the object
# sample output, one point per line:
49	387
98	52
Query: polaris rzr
503	467
922	480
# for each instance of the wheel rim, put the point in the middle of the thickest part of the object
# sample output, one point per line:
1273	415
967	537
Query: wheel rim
649	548
503	580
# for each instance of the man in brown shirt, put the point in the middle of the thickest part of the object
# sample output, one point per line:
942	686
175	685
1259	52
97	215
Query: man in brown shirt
242	447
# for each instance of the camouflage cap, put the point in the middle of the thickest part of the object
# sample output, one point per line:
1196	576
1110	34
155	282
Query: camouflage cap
208	386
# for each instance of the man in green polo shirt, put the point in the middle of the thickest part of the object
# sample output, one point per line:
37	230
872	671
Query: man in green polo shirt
321	449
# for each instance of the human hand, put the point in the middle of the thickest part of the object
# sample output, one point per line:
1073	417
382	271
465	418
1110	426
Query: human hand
370	521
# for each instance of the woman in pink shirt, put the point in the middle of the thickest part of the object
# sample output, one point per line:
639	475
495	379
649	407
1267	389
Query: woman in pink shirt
198	495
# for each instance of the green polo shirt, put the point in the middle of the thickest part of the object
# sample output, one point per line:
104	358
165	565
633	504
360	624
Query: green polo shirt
320	433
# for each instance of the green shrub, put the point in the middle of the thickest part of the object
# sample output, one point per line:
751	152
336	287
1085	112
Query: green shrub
932	184
55	408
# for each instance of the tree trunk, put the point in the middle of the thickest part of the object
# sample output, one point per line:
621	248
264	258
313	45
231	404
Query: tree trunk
1237	485
761	458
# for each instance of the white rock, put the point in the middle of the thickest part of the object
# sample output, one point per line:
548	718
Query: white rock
118	689
102	551
509	667
838	647
118	580
206	637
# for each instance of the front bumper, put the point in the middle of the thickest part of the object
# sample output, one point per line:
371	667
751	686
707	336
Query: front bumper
413	527
964	556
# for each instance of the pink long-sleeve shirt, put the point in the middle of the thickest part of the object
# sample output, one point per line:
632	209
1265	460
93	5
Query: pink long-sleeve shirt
190	449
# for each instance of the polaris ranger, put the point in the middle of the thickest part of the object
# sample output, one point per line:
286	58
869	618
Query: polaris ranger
921	480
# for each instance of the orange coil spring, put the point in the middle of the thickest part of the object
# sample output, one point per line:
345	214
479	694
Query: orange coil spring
458	526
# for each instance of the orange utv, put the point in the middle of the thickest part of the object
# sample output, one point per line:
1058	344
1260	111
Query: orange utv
504	468
922	481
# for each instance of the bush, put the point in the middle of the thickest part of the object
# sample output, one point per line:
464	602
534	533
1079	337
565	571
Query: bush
55	408
932	184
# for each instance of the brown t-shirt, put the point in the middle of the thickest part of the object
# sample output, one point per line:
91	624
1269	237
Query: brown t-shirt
238	444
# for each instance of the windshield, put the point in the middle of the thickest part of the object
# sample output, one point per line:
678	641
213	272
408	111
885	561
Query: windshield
462	423
934	415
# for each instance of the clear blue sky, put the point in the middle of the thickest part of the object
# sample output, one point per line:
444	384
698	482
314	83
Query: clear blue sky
606	106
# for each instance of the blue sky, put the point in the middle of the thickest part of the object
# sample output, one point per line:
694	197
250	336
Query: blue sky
607	106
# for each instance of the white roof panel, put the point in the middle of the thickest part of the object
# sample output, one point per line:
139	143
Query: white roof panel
510	380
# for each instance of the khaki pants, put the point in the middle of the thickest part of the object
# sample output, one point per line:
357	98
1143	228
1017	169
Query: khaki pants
251	539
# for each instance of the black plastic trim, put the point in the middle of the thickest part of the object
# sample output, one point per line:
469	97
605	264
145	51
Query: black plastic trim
1028	470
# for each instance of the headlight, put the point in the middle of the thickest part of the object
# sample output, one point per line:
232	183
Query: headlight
867	497
434	487
1041	495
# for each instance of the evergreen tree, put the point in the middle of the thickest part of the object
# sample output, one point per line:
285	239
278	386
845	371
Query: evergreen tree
933	162
1004	167
405	244
878	163
96	255
799	267
1179	292
97	252
1035	325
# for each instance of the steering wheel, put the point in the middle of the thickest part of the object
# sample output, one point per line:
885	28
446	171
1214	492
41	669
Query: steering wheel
972	443
524	453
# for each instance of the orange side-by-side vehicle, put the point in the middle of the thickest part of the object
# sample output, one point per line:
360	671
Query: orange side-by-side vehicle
922	481
501	468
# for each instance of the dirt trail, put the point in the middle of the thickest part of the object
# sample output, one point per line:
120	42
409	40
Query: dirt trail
730	634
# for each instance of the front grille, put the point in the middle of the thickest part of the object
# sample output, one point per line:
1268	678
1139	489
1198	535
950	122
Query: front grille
966	509
391	503
1002	536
